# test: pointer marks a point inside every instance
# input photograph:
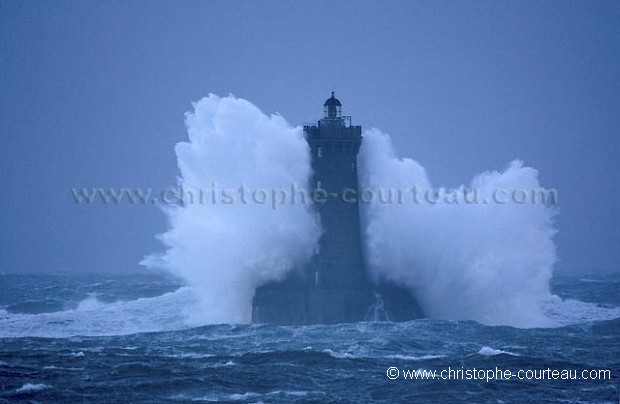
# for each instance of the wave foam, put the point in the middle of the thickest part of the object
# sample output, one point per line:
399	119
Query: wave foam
225	249
170	311
415	358
486	262
31	388
488	351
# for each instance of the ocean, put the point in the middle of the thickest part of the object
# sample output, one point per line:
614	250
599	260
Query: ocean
126	338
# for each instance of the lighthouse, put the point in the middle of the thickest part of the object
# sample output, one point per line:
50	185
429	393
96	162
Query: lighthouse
334	145
333	287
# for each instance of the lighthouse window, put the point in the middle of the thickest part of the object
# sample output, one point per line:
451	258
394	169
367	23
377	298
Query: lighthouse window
352	167
316	278
318	185
319	152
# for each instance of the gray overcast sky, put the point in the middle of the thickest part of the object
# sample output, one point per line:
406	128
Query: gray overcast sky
93	94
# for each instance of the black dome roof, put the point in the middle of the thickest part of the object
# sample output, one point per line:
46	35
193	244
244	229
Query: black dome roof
332	101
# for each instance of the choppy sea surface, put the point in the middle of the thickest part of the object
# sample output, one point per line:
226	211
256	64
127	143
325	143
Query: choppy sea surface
126	338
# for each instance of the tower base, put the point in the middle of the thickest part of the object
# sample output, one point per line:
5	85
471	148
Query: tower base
285	304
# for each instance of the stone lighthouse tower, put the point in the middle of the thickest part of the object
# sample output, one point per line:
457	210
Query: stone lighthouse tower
333	287
334	144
